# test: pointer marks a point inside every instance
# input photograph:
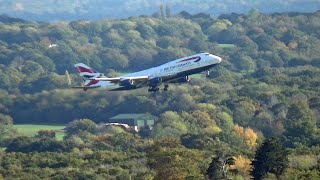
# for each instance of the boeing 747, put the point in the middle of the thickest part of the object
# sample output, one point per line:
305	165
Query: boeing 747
176	71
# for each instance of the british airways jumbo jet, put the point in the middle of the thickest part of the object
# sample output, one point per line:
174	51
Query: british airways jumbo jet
177	71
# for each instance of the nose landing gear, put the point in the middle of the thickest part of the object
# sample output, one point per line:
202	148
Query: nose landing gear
208	74
166	86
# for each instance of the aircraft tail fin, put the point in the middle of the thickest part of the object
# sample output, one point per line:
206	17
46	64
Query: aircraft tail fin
87	74
84	69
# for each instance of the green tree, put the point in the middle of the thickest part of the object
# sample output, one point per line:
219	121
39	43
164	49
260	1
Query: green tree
271	157
244	112
19	144
300	123
123	141
219	167
169	124
113	58
81	125
7	131
170	160
146	31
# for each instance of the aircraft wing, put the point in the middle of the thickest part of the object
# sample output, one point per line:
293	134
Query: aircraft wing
118	79
168	76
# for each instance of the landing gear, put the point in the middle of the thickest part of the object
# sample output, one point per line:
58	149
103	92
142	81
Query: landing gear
208	74
153	89
166	86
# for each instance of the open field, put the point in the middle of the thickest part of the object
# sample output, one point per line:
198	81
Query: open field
32	129
197	76
226	46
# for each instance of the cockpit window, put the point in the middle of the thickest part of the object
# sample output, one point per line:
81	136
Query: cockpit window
207	54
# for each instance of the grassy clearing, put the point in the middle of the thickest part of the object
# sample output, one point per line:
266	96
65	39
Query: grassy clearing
197	76
32	129
226	46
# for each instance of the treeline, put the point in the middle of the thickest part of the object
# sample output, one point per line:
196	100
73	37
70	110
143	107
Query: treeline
104	152
267	85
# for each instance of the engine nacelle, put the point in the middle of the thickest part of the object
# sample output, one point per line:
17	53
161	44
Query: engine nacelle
126	82
182	80
155	81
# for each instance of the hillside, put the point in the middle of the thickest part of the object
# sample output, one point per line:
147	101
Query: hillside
267	86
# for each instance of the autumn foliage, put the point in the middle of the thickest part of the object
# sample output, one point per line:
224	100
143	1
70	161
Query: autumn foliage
249	136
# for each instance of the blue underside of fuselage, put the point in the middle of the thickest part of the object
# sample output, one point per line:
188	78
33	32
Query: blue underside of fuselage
179	75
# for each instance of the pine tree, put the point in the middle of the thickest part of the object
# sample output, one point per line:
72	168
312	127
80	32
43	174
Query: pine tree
271	157
219	166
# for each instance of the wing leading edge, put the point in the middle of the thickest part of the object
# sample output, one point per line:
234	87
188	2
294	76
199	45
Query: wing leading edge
118	79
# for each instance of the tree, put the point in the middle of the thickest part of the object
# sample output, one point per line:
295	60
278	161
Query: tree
123	141
271	157
200	122
253	14
219	167
46	134
300	123
32	70
146	31
249	136
242	165
46	145
64	57
19	144
113	39
113	58
6	129
169	124
80	125
197	44
244	111
170	160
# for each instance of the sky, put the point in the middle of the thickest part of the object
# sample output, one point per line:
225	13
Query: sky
52	10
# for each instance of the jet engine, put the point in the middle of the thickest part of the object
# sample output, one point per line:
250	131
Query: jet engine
155	81
126	82
182	80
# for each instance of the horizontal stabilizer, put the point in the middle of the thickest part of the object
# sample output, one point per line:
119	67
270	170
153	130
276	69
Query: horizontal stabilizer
85	87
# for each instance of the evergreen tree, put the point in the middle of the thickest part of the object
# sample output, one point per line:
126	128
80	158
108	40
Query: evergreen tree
271	157
219	167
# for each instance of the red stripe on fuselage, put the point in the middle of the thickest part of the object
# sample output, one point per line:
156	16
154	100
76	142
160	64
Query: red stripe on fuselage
83	69
189	59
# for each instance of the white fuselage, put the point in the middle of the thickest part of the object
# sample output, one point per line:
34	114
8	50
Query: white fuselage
180	67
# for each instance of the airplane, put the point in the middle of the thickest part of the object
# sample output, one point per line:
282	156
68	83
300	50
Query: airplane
176	71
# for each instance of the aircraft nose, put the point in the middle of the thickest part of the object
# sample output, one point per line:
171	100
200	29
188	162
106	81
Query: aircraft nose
217	59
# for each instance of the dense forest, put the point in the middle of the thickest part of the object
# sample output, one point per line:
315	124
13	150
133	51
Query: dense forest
55	10
257	115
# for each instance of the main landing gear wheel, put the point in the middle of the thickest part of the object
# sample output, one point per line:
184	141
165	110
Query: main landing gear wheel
166	86
153	89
